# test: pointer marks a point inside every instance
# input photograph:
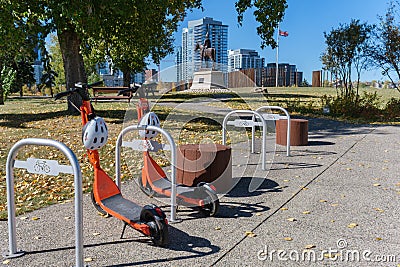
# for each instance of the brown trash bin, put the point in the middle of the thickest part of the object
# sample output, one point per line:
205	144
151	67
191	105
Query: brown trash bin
210	163
298	132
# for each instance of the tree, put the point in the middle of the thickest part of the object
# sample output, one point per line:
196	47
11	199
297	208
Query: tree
385	51
49	75
7	79
268	13
347	48
18	37
57	64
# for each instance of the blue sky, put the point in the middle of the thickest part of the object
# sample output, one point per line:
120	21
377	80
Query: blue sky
305	20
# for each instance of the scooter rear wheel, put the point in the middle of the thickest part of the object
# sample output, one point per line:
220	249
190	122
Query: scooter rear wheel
97	206
159	232
211	207
157	223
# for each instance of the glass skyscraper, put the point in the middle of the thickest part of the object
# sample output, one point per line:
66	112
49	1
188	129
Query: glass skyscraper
196	31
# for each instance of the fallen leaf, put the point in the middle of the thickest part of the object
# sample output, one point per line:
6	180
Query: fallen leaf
352	225
379	210
291	219
88	259
309	246
250	234
287	238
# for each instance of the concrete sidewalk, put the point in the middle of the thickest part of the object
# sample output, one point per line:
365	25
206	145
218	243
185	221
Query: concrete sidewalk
340	194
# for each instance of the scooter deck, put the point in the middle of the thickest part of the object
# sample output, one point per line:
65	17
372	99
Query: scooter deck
123	206
182	190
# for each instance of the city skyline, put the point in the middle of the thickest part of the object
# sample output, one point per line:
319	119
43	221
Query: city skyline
304	21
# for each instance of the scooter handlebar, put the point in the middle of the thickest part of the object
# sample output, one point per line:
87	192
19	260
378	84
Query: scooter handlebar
64	94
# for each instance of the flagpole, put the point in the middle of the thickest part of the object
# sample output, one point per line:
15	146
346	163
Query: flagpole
277	56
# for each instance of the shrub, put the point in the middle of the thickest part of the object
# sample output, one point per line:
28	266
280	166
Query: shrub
353	106
392	108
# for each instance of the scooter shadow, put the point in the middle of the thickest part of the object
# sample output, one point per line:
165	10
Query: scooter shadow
181	241
235	209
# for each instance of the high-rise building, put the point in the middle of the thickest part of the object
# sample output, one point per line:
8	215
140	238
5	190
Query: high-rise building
287	75
196	33
38	66
151	75
242	59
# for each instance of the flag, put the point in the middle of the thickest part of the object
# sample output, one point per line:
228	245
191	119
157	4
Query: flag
283	33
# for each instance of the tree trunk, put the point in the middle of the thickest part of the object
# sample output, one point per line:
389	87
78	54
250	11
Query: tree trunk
73	64
127	78
1	92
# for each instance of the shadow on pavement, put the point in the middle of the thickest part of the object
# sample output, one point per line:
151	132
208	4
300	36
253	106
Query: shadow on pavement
181	241
241	188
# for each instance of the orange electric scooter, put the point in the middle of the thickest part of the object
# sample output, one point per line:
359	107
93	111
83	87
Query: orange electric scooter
150	220
154	181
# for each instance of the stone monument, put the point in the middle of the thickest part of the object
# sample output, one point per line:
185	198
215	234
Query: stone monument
207	78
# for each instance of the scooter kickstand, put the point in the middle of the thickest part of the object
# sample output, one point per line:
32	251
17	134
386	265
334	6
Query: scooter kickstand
123	230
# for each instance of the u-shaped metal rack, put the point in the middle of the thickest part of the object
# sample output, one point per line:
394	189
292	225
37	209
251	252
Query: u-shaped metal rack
247	124
148	145
274	117
48	167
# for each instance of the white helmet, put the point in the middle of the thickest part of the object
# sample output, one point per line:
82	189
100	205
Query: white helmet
95	134
149	119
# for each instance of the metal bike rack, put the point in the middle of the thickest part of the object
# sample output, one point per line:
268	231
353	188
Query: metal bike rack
48	167
247	124
148	145
274	117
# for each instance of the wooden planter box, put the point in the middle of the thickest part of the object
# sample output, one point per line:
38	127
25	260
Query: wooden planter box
298	132
210	163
